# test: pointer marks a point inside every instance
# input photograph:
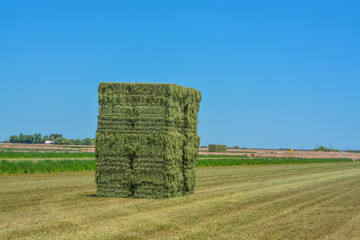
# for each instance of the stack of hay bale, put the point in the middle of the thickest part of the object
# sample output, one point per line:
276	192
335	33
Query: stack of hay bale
217	148
146	141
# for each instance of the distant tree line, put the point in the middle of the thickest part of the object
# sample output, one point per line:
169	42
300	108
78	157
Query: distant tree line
324	149
56	137
236	147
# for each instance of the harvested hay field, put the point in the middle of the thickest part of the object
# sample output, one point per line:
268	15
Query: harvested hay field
295	201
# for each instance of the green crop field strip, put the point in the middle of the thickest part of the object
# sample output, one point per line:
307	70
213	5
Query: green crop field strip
39	150
45	166
287	201
200	156
44	155
72	165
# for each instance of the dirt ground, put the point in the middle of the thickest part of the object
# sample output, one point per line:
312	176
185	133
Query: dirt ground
283	153
44	147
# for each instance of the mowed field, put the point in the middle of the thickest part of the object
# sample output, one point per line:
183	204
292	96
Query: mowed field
279	201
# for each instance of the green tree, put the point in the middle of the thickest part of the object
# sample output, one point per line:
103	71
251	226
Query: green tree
28	139
25	138
59	140
14	139
21	138
86	141
54	136
37	137
45	138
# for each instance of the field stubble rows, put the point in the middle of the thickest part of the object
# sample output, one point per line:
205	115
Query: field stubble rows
295	201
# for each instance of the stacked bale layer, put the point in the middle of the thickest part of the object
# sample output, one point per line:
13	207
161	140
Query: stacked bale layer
146	141
217	148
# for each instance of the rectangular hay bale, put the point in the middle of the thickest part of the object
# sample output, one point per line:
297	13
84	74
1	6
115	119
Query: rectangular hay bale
146	140
217	148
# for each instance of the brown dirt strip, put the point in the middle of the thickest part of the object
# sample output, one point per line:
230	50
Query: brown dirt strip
264	153
77	148
38	159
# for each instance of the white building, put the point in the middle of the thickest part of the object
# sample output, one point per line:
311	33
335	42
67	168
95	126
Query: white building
49	142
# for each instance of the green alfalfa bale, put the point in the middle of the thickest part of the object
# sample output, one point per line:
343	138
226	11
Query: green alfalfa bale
148	190
111	88
189	180
167	173
217	148
145	125
132	100
114	191
191	145
107	91
113	182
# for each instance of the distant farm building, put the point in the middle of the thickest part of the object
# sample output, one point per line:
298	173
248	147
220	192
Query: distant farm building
49	142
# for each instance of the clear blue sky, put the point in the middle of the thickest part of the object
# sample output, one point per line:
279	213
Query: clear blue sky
272	73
